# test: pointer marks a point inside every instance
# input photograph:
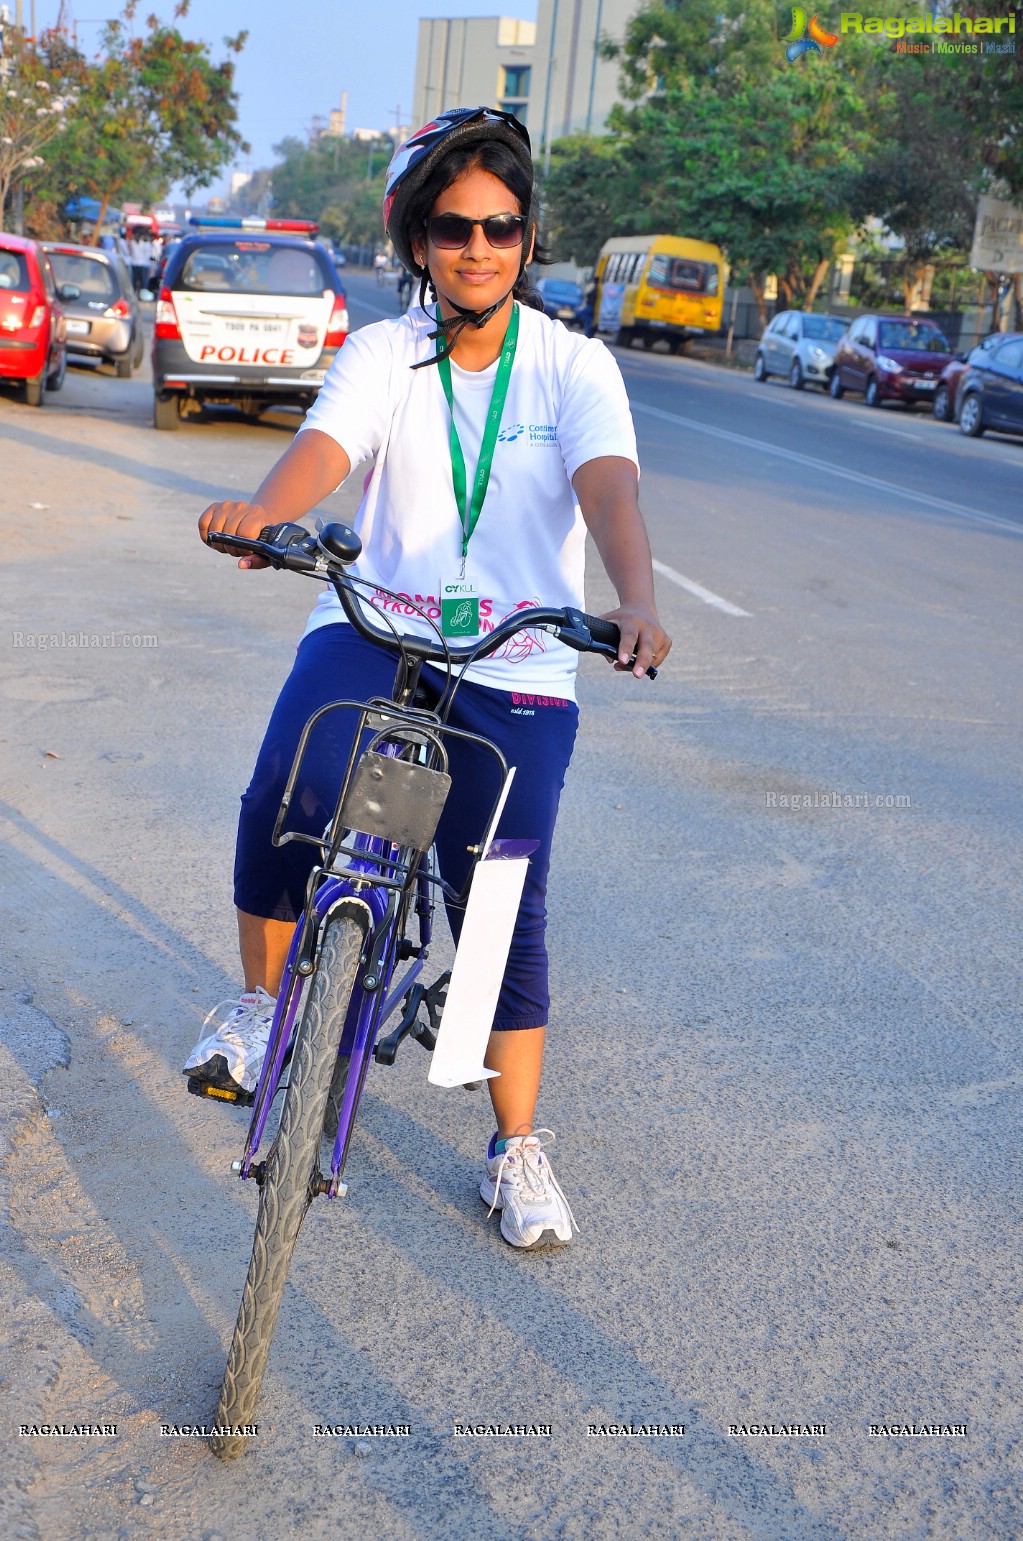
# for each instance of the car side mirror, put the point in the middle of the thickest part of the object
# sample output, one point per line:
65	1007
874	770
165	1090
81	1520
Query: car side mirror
69	292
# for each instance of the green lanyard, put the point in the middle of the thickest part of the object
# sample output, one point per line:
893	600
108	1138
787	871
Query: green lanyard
469	512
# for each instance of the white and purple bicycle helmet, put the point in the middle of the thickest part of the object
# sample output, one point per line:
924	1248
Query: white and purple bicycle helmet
414	161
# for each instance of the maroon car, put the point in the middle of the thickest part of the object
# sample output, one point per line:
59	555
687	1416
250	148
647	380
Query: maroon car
890	358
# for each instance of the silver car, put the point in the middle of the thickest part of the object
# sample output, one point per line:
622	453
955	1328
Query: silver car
104	322
799	346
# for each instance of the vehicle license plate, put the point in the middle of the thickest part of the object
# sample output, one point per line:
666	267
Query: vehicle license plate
925	385
250	329
78	328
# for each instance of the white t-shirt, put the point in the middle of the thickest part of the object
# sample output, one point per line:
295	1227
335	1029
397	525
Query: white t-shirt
566	405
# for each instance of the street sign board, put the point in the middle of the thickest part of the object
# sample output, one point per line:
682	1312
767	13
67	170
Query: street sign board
998	237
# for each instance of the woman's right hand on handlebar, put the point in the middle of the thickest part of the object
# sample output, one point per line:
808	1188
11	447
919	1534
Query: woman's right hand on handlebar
307	472
246	519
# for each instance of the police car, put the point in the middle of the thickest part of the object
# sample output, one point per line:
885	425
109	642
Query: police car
250	313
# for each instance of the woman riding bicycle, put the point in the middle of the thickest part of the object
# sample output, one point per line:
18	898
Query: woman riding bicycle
530	423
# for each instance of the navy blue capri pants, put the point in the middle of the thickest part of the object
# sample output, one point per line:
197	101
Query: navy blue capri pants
535	733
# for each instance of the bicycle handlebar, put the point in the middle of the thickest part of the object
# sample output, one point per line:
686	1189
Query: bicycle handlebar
330	552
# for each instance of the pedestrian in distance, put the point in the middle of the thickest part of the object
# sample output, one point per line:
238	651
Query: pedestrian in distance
588	314
414	395
139	252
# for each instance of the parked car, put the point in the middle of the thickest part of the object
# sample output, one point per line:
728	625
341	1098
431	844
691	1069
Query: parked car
32	327
890	358
105	321
562	299
799	346
249	316
947	394
991	392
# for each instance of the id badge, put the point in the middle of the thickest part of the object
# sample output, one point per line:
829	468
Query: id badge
459	609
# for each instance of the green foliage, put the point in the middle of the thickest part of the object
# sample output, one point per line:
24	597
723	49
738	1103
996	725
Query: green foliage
339	182
585	198
671	46
766	171
720	137
38	100
153	109
923	171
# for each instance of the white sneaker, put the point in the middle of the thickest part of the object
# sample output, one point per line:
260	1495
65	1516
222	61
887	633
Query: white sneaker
232	1055
520	1183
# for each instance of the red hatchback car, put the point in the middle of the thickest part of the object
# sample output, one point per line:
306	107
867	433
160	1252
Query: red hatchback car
32	327
890	358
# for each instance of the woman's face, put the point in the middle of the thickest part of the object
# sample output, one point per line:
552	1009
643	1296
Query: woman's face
478	275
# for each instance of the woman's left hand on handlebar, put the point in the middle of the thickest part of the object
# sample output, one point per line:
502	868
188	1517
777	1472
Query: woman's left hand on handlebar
644	640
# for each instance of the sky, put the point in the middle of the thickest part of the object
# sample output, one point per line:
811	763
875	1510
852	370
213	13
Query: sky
300	57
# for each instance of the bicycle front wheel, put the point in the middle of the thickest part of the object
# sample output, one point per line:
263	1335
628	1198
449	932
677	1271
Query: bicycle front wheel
292	1168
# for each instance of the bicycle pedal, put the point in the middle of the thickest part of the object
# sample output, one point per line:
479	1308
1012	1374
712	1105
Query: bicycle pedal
199	1088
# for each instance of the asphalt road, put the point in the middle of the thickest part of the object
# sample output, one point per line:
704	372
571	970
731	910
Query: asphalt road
783	1065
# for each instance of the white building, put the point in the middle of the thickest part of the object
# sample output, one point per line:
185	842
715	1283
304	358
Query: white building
573	88
468	61
548	72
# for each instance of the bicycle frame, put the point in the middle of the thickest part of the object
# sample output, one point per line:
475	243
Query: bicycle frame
369	878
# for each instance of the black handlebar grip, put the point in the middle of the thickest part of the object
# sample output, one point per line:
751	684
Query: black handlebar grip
609	635
602	631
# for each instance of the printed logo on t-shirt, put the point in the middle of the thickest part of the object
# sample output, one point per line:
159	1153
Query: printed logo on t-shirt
535	433
516	650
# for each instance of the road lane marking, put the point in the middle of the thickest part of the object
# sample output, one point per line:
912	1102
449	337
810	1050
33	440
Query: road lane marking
814	464
897	433
707	595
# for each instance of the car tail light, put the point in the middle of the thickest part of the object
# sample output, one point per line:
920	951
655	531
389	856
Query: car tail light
167	317
337	326
38	316
120	308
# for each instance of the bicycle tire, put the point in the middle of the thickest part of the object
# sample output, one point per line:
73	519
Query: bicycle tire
291	1167
335	1097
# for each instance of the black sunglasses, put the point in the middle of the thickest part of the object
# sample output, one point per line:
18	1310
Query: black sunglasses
450	232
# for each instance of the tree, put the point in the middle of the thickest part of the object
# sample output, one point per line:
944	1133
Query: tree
779	160
584	198
36	98
674	45
986	94
153	111
720	136
765	170
339	182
